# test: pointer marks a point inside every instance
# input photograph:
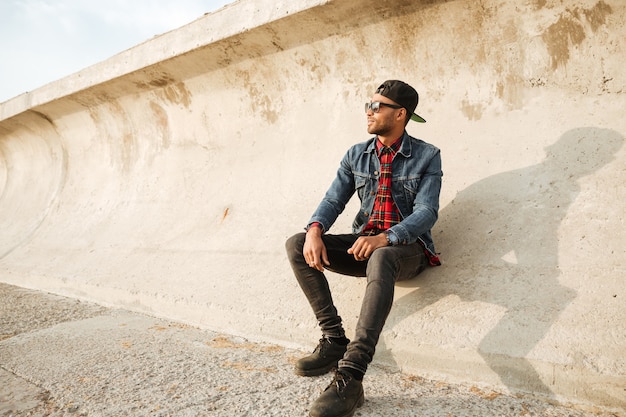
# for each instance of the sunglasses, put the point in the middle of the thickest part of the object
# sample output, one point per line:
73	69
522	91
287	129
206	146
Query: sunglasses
374	106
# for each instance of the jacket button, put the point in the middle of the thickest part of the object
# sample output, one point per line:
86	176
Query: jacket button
372	193
366	214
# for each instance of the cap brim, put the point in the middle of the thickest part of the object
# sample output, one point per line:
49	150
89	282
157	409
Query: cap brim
417	118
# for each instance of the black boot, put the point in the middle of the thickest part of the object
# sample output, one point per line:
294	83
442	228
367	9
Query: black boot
323	359
340	399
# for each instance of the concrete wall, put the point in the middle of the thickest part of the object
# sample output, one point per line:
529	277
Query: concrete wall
167	178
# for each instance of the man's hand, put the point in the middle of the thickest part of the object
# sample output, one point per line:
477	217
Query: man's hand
365	245
314	250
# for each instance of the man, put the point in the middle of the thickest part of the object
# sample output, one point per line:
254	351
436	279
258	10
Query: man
398	180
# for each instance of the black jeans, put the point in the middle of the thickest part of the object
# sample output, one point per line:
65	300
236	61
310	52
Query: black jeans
385	266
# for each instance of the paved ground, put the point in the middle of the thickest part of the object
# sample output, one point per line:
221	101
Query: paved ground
62	357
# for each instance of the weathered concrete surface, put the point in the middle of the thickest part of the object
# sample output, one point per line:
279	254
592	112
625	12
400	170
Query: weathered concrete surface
166	179
84	360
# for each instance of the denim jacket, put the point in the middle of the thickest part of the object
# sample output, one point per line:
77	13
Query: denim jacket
416	183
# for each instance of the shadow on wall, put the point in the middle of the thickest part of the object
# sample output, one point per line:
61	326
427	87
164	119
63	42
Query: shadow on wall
499	239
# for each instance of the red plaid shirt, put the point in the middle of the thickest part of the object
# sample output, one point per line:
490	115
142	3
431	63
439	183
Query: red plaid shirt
385	213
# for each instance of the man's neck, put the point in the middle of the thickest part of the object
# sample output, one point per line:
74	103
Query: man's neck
389	140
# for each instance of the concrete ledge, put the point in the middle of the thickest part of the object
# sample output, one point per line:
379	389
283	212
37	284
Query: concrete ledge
231	20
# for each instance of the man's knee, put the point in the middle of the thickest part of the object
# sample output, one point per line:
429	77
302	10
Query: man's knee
382	262
294	245
382	255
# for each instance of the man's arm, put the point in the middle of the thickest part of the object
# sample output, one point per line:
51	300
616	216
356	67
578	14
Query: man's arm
337	196
331	206
425	205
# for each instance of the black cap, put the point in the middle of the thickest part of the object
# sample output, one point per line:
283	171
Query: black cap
403	94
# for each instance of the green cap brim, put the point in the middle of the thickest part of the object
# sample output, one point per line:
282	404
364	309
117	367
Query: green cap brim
417	118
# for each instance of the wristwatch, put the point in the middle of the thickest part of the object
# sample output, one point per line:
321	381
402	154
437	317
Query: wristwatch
392	239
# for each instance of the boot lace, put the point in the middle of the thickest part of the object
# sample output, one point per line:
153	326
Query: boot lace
341	381
322	346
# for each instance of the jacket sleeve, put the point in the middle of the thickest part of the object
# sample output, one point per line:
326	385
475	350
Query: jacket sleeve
425	204
338	194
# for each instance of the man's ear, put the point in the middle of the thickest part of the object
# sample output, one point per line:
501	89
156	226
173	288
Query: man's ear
402	114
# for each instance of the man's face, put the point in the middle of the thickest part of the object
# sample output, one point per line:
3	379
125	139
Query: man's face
384	121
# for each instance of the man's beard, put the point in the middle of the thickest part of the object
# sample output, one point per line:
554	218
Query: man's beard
379	129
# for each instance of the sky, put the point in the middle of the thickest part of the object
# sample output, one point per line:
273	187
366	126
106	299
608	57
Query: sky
45	40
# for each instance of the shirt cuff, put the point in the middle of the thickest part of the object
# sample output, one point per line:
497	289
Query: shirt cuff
314	224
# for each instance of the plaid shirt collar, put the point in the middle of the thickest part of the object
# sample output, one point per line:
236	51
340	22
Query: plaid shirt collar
395	147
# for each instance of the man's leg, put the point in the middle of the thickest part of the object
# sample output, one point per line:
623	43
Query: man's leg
314	284
386	266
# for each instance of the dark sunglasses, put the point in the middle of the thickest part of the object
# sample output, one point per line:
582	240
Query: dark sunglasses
374	106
